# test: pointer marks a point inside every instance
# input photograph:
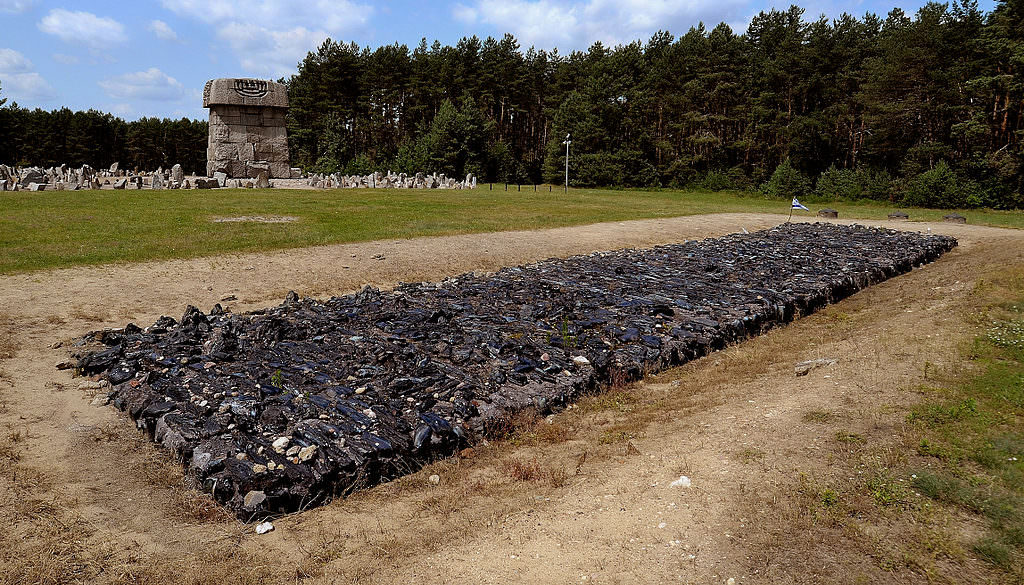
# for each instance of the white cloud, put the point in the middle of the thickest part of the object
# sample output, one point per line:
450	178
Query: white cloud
26	86
545	23
270	52
83	28
269	37
331	15
151	84
464	14
19	81
12	61
577	24
66	59
15	6
162	30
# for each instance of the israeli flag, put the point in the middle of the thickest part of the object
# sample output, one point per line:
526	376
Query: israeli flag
798	205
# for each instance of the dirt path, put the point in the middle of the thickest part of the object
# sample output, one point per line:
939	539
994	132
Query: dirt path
582	497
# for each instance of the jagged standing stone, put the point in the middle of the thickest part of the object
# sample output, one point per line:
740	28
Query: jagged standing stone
158	181
33	175
177	175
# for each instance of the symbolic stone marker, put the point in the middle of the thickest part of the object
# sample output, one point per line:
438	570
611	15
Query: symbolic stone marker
247	129
828	212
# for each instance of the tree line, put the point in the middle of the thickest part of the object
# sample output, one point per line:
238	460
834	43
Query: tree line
923	109
49	138
918	110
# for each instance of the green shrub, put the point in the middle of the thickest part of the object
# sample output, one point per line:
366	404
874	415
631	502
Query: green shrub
360	165
876	185
326	165
854	184
839	184
722	180
786	182
942	187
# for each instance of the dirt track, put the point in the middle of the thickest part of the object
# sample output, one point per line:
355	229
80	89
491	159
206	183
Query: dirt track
584	497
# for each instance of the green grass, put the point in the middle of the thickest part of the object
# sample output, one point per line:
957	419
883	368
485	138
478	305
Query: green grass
975	433
65	228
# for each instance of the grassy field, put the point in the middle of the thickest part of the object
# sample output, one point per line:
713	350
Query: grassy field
63	229
971	426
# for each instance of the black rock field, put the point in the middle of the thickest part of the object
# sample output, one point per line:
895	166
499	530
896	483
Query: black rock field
285	408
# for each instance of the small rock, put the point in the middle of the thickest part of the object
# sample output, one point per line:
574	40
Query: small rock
281	443
259	468
101	400
253	499
683	482
434	479
264	527
803	368
580	360
293	451
307	453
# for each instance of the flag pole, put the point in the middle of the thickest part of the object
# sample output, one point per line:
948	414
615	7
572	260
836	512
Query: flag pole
790	213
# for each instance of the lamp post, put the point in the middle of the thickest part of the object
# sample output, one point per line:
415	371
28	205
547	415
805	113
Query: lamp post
567	142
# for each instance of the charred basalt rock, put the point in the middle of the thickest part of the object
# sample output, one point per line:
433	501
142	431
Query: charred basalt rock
284	408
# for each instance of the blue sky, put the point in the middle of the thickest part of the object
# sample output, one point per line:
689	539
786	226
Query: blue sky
152	58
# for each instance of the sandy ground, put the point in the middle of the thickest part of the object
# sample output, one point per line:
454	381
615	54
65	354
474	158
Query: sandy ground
582	497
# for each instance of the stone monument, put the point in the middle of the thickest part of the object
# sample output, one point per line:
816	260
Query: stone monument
247	130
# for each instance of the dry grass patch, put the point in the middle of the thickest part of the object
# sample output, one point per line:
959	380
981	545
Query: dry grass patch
819	416
879	519
530	470
160	470
8	344
91	315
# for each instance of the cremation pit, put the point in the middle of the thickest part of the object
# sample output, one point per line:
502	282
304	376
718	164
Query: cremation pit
284	408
